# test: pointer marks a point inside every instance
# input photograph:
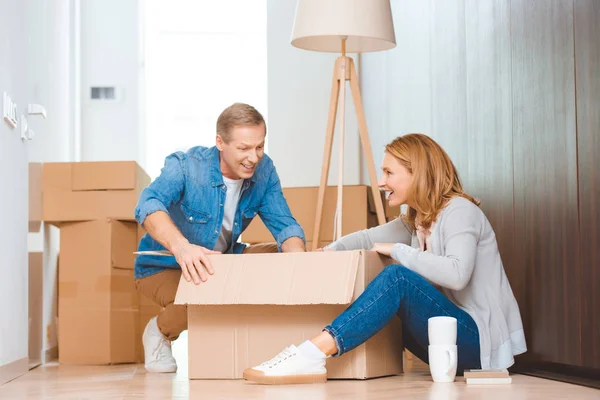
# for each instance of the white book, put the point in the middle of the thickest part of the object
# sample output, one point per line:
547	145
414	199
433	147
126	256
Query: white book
486	373
489	381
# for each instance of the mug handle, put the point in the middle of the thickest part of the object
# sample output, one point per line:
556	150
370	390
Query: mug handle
451	361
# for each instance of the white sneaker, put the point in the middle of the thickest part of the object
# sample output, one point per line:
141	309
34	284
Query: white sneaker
157	350
289	366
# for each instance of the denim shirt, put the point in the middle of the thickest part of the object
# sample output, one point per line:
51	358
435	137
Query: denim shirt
191	190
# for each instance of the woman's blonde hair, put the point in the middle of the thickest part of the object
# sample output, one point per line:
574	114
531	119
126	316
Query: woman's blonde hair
435	178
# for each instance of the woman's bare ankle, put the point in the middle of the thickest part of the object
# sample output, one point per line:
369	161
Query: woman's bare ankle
325	343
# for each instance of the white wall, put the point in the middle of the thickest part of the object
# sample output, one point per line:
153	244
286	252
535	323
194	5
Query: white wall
110	54
14	181
50	75
396	83
420	85
299	90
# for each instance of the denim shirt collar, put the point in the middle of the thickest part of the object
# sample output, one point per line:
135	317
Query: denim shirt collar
216	176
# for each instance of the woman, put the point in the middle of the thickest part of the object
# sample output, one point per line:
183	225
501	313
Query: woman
443	239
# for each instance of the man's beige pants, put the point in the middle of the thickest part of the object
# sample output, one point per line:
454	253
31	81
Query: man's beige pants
162	287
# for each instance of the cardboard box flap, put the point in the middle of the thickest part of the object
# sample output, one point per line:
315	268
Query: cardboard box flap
279	279
105	175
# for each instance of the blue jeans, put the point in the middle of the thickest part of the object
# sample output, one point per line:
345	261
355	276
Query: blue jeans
399	291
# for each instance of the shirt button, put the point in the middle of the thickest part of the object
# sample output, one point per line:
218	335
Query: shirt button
221	205
235	223
191	218
216	231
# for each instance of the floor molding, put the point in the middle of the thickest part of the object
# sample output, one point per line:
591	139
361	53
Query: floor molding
560	372
13	370
34	363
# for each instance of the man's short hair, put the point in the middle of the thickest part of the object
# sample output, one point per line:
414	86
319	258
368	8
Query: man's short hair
238	114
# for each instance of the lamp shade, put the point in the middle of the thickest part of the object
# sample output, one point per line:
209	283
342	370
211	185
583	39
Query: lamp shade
320	25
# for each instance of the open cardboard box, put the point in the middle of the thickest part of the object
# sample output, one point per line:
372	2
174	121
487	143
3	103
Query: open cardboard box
257	304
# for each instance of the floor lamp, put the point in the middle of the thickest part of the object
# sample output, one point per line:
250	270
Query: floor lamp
353	26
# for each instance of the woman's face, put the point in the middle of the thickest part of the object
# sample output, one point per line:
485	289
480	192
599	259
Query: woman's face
396	181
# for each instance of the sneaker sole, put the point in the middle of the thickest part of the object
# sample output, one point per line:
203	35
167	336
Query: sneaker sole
260	377
163	369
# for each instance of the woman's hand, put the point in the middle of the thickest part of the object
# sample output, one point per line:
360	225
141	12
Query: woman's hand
383	248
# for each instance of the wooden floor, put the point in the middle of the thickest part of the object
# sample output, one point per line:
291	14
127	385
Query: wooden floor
132	382
53	381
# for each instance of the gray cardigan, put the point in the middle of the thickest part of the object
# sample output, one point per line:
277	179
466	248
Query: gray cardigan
464	260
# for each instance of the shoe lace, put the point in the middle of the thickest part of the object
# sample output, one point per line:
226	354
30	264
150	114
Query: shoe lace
284	355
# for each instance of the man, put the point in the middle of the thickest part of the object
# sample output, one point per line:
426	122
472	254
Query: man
199	205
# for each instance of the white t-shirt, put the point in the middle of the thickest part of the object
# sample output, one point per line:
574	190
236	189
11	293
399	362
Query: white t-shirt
232	198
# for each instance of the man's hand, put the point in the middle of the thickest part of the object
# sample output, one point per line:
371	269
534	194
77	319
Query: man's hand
383	248
194	262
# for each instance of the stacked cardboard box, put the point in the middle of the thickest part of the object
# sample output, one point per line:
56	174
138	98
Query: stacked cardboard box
91	190
93	204
97	299
358	212
36	271
36	275
35	197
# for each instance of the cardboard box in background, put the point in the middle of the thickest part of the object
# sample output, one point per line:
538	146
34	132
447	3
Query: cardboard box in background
358	212
265	302
85	191
35	197
108	175
98	304
36	322
391	213
97	336
94	175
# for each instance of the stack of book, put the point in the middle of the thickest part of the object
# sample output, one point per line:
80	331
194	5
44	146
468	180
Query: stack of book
487	377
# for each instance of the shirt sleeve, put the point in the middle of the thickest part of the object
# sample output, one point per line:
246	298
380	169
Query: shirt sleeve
460	236
395	231
164	191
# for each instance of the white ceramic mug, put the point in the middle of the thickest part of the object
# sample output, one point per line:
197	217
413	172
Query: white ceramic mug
442	331
442	362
